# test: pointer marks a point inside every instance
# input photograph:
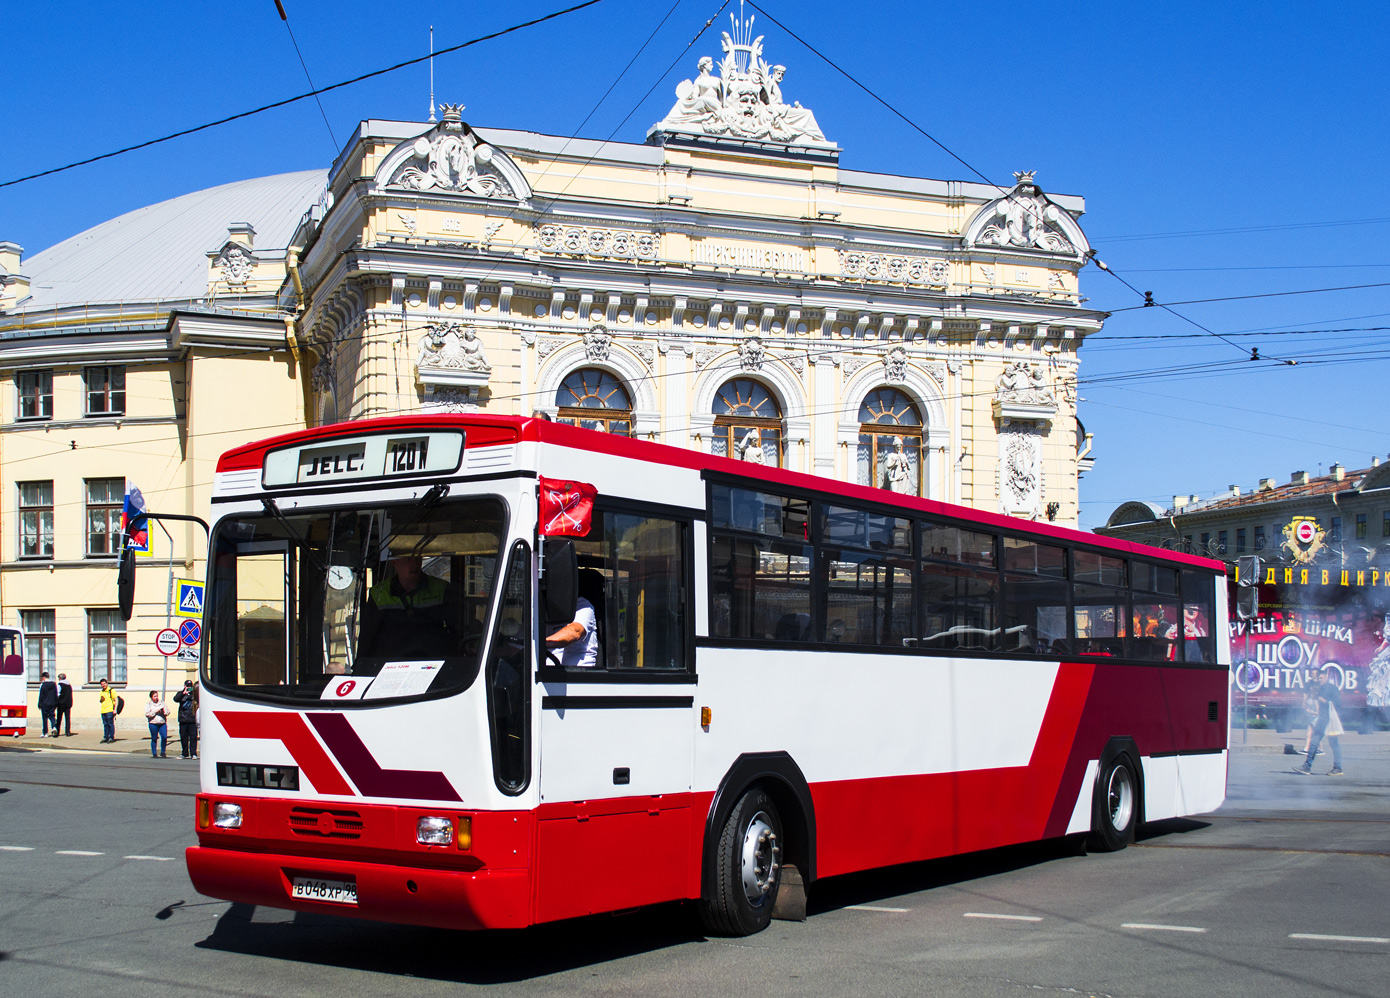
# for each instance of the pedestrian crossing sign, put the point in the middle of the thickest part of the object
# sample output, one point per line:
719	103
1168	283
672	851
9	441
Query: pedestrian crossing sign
189	602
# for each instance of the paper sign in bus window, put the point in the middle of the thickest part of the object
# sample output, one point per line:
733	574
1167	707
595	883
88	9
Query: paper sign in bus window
404	679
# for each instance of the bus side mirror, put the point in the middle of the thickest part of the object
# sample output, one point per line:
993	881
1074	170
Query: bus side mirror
560	592
125	581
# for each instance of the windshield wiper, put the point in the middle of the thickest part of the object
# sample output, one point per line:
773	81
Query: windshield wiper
290	528
416	513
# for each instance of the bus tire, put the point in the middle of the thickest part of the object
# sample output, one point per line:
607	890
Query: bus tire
1115	807
747	868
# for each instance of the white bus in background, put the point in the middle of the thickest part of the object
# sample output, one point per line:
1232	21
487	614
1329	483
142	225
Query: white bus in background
14	683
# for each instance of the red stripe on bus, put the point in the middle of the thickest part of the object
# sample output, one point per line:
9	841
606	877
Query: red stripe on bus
363	769
290	729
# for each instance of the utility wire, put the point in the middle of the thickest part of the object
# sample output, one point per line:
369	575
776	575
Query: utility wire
918	128
1267	294
304	96
281	8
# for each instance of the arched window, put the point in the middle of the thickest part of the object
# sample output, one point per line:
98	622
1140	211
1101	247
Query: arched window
890	442
594	400
747	423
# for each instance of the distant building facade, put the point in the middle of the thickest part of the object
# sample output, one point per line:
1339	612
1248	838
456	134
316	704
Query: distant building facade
1348	512
725	286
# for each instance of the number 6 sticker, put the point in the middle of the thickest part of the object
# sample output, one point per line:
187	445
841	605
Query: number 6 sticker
345	687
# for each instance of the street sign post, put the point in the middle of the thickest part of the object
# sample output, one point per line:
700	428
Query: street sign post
167	641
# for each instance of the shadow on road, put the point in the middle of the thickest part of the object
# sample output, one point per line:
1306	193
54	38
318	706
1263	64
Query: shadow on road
462	957
508	956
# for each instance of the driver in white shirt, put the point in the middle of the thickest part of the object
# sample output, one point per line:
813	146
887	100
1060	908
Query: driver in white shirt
577	641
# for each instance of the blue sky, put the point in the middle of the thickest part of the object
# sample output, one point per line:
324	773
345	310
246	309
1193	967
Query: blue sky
1223	149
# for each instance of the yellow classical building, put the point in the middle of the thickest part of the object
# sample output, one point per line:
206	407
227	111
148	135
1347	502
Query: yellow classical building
724	286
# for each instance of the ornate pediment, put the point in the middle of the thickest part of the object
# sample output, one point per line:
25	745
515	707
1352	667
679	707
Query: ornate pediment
744	101
235	264
1028	221
451	158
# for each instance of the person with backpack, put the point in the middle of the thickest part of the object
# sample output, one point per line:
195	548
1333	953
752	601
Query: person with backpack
107	705
187	699
48	704
63	719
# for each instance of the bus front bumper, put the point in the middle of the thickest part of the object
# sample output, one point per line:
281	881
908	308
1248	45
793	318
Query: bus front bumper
446	899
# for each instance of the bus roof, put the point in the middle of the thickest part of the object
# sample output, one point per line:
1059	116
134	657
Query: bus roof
489	430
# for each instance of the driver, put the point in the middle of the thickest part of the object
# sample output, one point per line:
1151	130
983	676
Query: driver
577	641
407	615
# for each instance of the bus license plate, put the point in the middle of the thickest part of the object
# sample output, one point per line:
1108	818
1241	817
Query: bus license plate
334	891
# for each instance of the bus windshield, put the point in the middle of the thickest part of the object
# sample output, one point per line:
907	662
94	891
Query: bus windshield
352	604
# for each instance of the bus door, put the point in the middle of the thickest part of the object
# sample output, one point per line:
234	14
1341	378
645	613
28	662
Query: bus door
617	726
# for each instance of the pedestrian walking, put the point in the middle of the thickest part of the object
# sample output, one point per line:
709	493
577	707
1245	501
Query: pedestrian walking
187	699
64	716
158	715
106	702
48	703
1327	723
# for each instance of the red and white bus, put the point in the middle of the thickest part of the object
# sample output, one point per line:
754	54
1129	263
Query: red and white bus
14	683
791	671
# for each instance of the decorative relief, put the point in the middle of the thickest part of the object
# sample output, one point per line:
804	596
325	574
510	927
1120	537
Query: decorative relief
703	355
1020	475
452	159
597	343
893	269
408	222
237	265
321	378
452	399
547	345
849	365
895	366
796	361
744	100
579	240
645	353
1026	219
936	369
1021	394
449	346
751	354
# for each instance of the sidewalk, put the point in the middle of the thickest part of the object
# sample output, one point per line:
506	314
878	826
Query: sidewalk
89	740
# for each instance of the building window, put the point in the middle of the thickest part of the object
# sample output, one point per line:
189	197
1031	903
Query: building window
105	390
1260	538
1206	545
1361	529
35	394
105	646
1240	540
890	442
1335	533
747	423
594	400
40	641
1385	523
1221	542
105	497
36	519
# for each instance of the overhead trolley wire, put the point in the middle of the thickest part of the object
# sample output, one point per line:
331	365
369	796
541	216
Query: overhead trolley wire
305	96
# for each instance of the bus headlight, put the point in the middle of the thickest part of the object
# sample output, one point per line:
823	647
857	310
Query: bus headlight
226	815
434	831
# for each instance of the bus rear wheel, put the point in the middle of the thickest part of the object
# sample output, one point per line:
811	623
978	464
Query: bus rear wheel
1115	808
747	868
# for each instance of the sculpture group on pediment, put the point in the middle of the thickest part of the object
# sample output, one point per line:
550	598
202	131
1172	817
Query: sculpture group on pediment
744	100
452	159
1026	220
451	346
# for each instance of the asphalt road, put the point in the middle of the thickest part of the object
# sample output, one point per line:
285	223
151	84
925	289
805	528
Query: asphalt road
1282	892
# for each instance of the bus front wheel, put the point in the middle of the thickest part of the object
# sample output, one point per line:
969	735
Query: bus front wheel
1115	809
747	868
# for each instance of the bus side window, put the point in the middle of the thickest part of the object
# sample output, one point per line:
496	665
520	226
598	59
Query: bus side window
646	611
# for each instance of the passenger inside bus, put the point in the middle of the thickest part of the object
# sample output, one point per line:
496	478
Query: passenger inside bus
579	641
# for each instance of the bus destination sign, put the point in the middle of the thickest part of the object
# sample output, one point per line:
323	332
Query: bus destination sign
356	458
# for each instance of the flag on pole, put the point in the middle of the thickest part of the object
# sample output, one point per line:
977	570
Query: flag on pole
566	507
139	539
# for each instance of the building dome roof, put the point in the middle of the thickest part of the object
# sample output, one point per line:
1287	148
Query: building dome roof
159	252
